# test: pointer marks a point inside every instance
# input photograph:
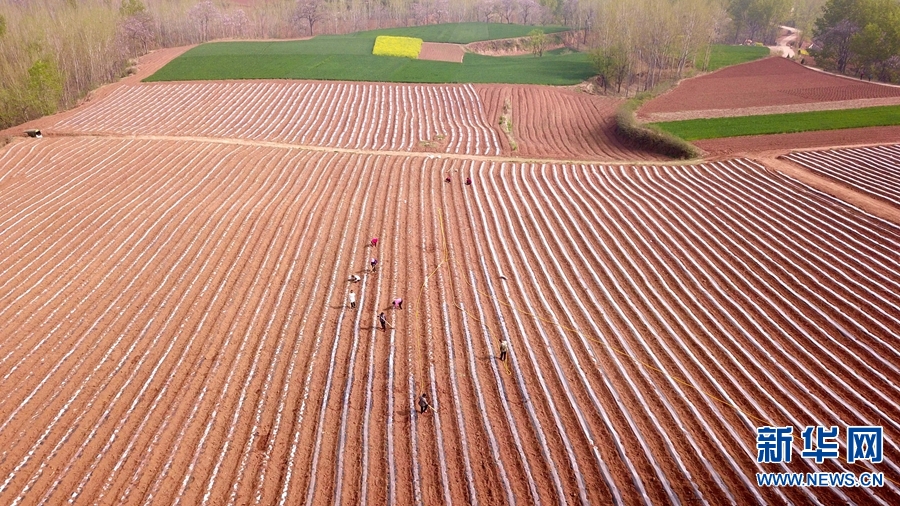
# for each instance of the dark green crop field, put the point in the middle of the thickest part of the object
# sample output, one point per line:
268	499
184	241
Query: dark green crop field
696	129
350	58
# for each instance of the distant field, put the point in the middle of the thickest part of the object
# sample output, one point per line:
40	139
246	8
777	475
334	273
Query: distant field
350	58
722	55
461	33
715	128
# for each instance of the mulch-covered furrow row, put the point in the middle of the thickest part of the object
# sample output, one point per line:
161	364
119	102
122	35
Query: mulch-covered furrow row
179	327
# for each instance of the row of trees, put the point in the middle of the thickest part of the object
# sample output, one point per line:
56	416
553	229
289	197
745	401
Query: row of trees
52	52
642	42
861	37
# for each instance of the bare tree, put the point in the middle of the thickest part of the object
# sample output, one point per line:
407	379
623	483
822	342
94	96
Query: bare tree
527	8
236	23
419	12
487	9
135	35
310	11
507	9
204	15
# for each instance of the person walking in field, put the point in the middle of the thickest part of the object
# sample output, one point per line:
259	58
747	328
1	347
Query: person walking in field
352	299
447	179
423	403
374	242
383	321
398	303
468	181
373	262
504	347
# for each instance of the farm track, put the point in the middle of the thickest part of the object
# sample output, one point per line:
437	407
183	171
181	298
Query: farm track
181	333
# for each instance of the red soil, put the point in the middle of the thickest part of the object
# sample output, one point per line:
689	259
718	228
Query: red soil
732	146
176	326
561	123
762	83
439	51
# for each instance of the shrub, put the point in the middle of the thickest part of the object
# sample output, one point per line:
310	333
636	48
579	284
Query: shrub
407	47
652	139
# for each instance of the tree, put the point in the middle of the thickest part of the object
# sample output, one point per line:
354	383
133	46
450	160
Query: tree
235	23
136	34
527	8
310	11
612	64
537	40
486	9
2	25
757	18
132	8
879	39
44	87
204	15
507	8
859	34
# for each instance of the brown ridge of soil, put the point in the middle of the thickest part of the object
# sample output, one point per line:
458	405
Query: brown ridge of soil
518	45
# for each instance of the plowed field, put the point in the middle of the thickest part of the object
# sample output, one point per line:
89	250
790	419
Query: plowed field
764	86
874	171
458	119
553	122
176	328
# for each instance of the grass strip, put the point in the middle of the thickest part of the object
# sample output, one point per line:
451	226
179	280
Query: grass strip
722	55
715	128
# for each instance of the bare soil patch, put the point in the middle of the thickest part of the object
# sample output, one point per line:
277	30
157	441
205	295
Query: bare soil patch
442	51
747	145
761	86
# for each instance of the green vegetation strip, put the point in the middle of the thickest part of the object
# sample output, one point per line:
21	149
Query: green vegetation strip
721	55
714	128
346	61
350	58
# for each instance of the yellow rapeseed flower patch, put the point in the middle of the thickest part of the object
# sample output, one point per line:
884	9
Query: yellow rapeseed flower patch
407	47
